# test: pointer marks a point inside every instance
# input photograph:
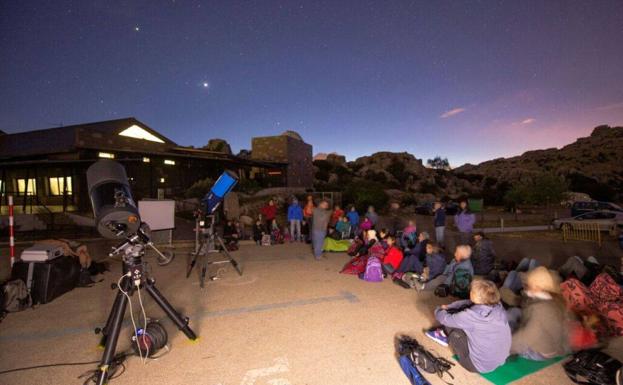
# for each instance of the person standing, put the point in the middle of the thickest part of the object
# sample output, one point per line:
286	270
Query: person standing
372	216
337	214
269	212
464	221
353	218
295	216
308	212
440	223
320	222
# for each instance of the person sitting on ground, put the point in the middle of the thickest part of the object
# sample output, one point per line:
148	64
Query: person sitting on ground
409	235
461	261
414	258
383	233
483	255
541	332
343	227
585	271
333	233
393	255
435	262
230	234
372	216
259	230
353	218
513	283
336	215
476	329
365	225
276	235
80	251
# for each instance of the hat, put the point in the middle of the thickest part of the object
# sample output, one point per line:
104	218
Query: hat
542	279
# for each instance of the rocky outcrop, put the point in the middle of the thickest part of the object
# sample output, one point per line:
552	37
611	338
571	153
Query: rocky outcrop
218	145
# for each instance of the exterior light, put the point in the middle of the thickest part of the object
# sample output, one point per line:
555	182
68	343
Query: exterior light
146	160
162	180
106	155
169	162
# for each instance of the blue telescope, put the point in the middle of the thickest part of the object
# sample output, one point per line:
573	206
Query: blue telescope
224	184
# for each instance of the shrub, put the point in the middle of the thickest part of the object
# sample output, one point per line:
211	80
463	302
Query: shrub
199	189
364	194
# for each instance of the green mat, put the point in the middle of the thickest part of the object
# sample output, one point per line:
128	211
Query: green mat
515	368
331	244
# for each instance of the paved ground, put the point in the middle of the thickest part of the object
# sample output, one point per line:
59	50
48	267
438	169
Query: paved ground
288	320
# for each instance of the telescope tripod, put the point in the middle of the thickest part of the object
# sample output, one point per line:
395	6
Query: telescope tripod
135	277
206	242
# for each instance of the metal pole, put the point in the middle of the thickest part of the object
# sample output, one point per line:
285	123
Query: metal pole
11	231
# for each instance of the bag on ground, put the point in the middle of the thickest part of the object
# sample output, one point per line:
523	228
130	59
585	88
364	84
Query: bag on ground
592	367
355	266
374	270
16	296
422	358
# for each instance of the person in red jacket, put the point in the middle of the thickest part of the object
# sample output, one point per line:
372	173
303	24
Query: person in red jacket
336	215
269	212
393	255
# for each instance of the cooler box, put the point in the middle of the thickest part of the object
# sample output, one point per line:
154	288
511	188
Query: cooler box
50	279
41	252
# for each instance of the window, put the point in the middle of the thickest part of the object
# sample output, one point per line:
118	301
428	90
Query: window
58	186
2	187
146	160
169	162
29	185
137	132
106	155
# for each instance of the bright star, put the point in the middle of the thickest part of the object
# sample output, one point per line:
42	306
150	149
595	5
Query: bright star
205	84
137	28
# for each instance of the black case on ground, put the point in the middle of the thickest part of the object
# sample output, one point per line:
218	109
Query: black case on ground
50	279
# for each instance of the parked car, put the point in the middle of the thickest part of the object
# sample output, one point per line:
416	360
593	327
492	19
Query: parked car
586	206
606	219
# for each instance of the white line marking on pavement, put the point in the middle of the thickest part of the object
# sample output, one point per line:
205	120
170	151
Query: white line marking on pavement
280	366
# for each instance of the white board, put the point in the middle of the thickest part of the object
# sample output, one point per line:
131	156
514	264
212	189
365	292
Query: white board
158	214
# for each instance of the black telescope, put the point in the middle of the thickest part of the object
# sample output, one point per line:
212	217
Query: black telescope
116	214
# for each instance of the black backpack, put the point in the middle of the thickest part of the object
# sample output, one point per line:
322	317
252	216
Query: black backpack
593	367
422	358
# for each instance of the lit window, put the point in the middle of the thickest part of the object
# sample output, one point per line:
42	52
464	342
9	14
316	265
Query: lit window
169	162
161	180
57	186
29	185
146	160
2	187
106	155
136	132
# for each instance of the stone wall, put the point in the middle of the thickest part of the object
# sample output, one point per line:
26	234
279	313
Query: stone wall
283	148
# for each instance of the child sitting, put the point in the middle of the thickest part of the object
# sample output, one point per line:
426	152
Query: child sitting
258	231
476	329
393	255
435	262
365	225
343	227
383	233
461	261
409	235
276	235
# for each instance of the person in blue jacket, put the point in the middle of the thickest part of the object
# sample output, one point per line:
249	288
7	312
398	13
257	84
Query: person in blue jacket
353	218
295	216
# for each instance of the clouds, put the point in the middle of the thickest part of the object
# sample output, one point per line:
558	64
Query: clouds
452	112
528	121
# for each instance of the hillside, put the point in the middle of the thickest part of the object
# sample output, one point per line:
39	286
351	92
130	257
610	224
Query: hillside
590	165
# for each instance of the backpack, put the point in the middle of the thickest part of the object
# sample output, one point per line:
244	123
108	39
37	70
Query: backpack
422	358
592	367
16	296
374	270
460	283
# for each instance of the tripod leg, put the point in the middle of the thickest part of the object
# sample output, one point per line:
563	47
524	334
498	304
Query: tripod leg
233	262
182	323
202	276
111	339
110	319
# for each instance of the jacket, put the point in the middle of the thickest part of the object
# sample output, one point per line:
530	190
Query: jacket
488	333
393	256
269	212
542	329
436	265
320	219
373	217
295	212
440	217
464	221
454	266
483	257
353	218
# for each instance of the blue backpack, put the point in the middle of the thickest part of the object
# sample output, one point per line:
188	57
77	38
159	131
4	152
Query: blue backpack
374	270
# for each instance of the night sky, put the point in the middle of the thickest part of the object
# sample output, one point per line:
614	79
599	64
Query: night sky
463	79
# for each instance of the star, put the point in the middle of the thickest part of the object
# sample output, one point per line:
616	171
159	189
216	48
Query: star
137	28
205	84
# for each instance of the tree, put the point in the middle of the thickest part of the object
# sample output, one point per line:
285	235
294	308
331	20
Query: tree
439	163
543	189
